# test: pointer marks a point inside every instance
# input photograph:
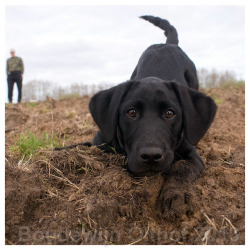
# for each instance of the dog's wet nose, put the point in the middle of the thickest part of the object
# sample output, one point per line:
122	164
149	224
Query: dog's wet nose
150	155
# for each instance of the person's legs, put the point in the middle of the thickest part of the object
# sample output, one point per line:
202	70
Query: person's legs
19	87
10	88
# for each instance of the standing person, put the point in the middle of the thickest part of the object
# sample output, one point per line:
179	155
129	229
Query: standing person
15	71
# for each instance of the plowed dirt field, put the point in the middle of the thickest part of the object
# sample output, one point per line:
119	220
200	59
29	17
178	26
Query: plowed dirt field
86	196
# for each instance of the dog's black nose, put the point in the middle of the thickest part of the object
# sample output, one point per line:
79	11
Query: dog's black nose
150	155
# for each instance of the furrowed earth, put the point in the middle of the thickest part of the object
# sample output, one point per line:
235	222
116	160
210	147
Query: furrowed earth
86	196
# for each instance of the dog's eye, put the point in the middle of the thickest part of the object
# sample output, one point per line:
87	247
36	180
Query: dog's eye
169	114
132	113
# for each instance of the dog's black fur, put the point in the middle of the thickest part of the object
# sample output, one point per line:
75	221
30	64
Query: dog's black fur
156	119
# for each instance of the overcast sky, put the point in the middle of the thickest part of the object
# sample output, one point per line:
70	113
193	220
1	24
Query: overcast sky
93	44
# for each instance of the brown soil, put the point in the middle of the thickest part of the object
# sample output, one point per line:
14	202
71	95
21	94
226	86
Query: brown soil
85	196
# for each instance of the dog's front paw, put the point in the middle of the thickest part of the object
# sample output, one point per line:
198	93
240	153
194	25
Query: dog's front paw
175	200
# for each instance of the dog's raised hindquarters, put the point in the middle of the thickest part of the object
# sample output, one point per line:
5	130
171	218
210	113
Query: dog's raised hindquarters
166	61
156	119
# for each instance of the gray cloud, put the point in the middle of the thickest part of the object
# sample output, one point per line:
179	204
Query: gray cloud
91	44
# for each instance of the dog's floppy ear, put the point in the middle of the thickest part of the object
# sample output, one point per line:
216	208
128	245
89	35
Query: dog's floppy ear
198	111
104	108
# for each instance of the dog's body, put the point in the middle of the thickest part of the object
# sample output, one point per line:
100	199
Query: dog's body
166	61
156	119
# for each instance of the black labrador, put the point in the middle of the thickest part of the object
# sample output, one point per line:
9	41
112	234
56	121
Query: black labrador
156	119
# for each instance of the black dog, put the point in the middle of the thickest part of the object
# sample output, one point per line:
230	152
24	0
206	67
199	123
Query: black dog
156	119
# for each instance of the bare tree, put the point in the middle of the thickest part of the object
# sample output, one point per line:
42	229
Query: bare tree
214	78
38	90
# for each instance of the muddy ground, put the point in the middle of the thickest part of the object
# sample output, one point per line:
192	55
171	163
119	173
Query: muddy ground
85	196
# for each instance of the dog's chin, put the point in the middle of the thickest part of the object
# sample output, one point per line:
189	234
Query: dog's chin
142	172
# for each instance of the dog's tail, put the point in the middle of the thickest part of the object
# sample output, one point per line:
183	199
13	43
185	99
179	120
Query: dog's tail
170	31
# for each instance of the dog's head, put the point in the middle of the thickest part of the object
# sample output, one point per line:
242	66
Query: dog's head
149	118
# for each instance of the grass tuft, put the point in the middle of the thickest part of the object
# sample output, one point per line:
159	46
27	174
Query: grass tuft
31	104
27	144
217	100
